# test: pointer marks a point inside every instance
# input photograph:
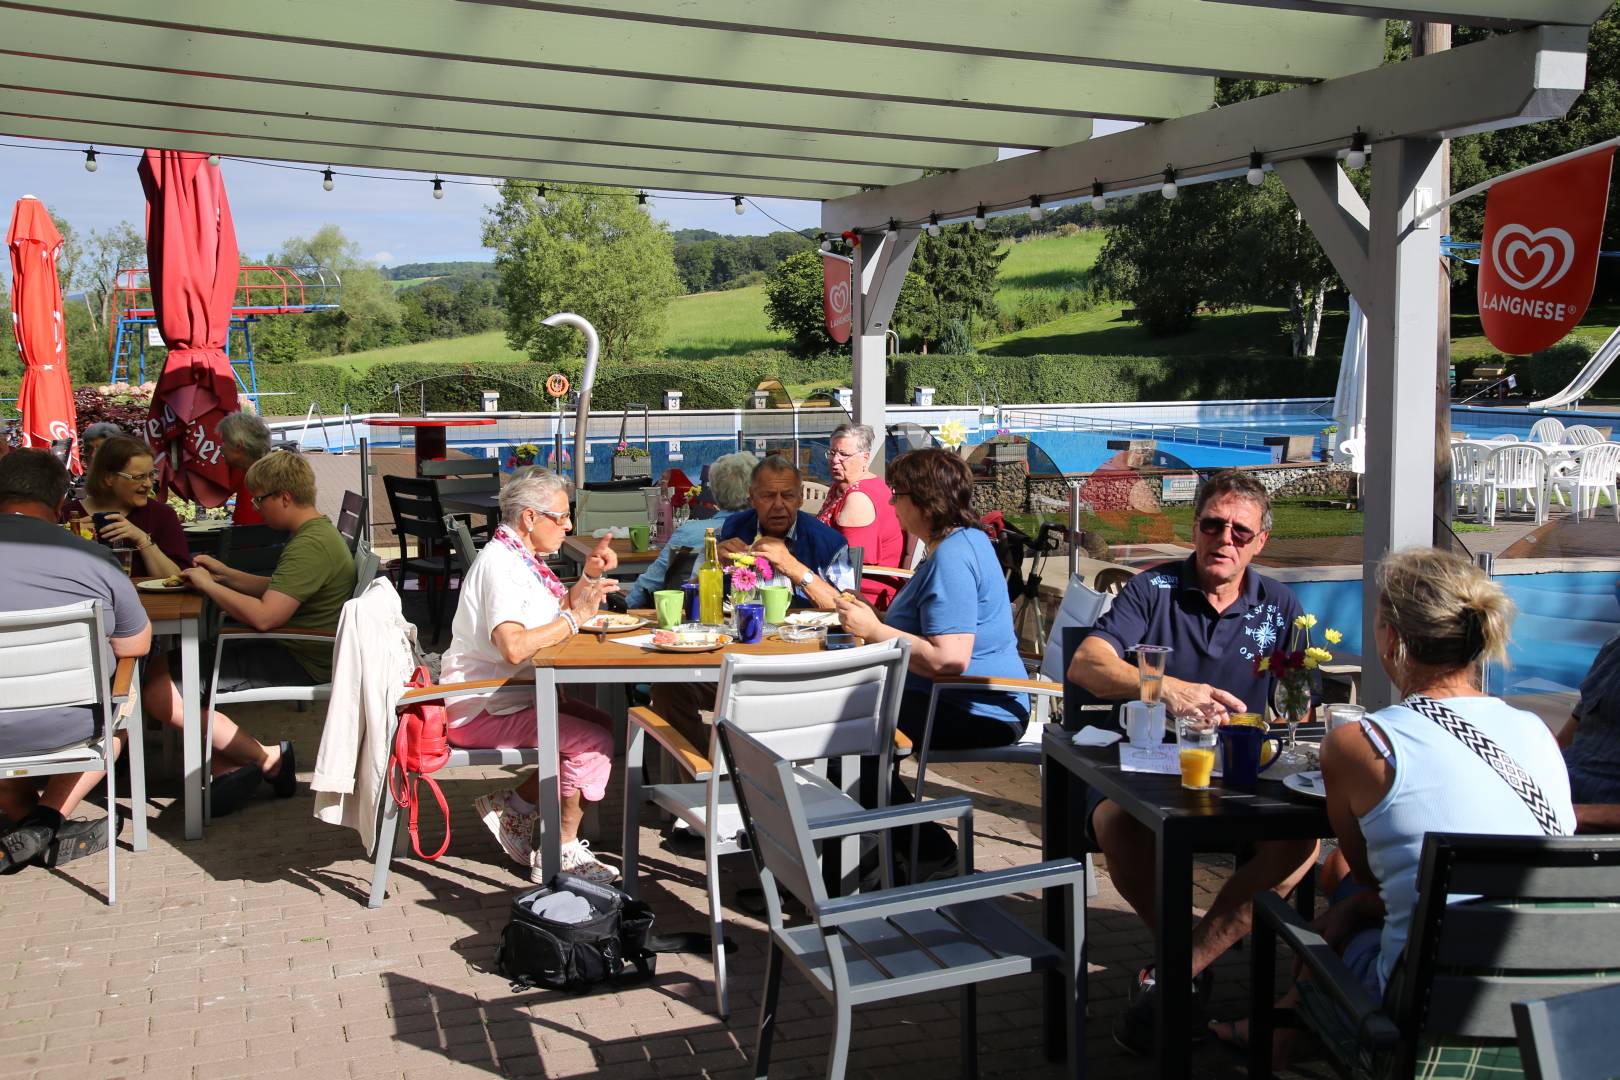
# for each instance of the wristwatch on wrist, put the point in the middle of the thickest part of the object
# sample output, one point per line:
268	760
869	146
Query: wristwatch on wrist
809	576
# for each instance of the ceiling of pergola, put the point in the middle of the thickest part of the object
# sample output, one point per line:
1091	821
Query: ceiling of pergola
814	99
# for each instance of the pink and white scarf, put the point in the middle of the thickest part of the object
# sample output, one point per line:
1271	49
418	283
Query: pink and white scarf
506	536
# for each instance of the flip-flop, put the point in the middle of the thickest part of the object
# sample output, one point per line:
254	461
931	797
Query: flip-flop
285	782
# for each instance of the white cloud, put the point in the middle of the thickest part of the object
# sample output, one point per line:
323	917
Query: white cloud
382	258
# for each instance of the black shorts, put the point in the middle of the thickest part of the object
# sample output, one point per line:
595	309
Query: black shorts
27	732
263	663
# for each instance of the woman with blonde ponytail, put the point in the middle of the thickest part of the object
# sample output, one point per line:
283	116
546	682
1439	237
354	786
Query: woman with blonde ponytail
1415	767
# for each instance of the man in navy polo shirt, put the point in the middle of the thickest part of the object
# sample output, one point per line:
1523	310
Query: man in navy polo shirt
1218	616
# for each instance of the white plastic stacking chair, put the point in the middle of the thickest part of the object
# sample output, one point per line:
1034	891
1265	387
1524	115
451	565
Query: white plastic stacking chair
1516	469
1592	478
806	708
1549	429
1468	474
59	658
1584	435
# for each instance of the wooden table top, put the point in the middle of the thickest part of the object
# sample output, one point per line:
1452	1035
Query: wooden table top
579	548
587	651
169	606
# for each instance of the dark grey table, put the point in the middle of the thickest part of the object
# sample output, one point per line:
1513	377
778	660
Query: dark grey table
1184	823
486	503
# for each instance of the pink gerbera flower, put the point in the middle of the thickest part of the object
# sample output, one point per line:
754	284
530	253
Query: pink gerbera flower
744	580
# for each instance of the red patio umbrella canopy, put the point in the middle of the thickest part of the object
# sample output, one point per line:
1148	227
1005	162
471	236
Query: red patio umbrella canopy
46	397
191	249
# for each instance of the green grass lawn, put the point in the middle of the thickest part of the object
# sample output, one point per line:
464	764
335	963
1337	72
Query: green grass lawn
473	347
1049	264
724	323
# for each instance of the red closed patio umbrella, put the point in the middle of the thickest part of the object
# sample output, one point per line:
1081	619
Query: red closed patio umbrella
194	263
46	397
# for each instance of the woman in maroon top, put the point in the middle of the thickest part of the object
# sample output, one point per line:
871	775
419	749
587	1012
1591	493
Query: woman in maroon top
858	506
120	483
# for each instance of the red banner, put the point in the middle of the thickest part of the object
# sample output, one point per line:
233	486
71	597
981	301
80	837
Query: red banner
837	300
1538	257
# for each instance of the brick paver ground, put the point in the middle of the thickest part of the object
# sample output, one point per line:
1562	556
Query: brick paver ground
251	953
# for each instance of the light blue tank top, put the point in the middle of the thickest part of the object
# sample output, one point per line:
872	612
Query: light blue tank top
1442	786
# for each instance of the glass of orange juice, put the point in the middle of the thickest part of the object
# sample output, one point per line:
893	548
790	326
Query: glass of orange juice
1195	743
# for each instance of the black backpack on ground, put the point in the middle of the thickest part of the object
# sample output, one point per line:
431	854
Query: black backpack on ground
608	948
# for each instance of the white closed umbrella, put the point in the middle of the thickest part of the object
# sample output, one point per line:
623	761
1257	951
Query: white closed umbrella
1350	399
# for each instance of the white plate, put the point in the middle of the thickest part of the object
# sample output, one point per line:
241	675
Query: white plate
811	618
1308	783
614	623
209	525
719	643
157	585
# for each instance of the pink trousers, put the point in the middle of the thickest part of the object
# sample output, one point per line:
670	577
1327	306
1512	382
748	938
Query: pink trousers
584	743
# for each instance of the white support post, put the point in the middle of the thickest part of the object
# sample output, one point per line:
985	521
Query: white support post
1402	309
880	269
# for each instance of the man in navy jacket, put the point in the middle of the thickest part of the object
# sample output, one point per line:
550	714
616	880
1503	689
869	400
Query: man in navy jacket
807	554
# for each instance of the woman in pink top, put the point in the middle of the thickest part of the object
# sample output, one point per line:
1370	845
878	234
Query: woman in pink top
858	507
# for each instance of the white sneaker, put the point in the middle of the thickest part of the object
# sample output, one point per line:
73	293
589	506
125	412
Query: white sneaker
579	860
512	829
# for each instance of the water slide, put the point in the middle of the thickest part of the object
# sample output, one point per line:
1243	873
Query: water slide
1586	378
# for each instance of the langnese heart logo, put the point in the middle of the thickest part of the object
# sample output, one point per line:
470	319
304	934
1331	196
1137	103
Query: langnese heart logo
1550	253
838	297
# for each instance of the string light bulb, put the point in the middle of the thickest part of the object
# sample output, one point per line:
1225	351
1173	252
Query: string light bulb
213	159
1168	189
893	227
978	218
933	224
326	179
823	242
540	194
736	205
1035	211
1357	156
1098	203
1257	172
438	188
641	198
90	160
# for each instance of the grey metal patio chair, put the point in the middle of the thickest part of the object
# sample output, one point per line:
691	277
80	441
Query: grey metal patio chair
366	565
59	658
1556	1035
893	942
1545	921
461	541
807	708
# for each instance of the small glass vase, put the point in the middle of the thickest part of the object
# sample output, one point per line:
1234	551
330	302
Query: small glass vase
1293	709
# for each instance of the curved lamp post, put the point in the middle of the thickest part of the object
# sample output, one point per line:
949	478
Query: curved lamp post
582	412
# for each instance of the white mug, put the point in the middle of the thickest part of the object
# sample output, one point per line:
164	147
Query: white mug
1335	716
1143	723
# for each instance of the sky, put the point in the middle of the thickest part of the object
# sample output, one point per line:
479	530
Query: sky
392	220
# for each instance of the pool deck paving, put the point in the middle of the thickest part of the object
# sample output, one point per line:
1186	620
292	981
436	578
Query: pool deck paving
251	953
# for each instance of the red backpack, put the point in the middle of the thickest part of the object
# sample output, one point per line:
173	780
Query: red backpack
421	746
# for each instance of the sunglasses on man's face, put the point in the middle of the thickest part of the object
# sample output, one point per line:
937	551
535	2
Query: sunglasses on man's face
1242	535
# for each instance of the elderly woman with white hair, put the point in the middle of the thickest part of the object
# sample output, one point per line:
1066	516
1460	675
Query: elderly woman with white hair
728	487
243	439
511	607
860	506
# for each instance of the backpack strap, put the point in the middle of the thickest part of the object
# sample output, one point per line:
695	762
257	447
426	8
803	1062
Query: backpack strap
1523	785
417	779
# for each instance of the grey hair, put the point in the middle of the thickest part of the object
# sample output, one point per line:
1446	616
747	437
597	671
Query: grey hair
247	433
865	438
534	489
729	477
774	463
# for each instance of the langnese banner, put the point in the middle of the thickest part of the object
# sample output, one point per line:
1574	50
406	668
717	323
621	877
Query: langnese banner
1538	257
837	299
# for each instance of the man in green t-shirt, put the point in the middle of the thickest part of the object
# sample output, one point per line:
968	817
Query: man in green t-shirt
313	579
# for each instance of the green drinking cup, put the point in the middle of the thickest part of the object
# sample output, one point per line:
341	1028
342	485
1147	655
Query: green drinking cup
640	537
668	603
776	599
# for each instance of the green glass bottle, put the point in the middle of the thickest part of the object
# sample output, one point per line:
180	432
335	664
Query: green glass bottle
711	582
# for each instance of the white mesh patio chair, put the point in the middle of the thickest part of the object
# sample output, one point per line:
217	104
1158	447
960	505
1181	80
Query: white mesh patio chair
1505	437
1518	473
366	565
807	708
1468	474
1584	435
58	658
1592	479
1549	429
892	942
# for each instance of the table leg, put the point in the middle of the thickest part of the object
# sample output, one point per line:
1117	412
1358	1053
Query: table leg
1060	837
431	445
545	730
1174	959
191	748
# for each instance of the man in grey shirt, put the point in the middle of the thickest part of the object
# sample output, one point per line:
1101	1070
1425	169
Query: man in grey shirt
45	567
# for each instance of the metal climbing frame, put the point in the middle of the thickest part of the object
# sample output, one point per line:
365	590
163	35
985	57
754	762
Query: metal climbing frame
261	292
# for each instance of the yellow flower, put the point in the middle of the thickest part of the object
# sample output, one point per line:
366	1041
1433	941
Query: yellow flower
1305	622
1264	664
1321	656
741	558
1333	637
1310	663
952	433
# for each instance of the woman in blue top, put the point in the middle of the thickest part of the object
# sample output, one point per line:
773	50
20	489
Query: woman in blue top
954	610
1402	772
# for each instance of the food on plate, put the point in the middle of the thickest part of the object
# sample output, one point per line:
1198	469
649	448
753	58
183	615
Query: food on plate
609	620
812	618
690	636
173	582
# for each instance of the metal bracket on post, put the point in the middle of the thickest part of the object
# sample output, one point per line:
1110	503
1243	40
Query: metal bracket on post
366	473
1074	528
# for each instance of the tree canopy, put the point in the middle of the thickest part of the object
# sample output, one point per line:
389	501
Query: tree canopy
595	253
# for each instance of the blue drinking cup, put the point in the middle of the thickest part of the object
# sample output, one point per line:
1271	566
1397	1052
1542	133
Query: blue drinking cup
750	623
1240	753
